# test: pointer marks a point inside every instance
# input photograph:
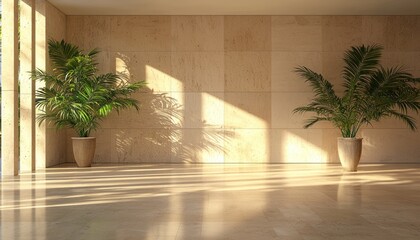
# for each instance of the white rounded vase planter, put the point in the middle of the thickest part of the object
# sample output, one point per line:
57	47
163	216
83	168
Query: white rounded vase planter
349	152
84	150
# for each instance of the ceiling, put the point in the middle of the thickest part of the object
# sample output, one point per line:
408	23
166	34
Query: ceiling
238	7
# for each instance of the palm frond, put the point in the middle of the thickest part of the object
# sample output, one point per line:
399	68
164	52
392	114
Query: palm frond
325	103
371	93
360	63
408	120
60	52
320	86
74	95
92	53
311	121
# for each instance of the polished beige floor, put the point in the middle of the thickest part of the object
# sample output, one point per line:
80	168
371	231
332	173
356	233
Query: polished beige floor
213	202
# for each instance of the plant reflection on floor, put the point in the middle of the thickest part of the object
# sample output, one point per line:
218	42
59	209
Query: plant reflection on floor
211	201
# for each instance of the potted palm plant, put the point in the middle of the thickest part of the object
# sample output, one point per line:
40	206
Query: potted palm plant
76	97
371	92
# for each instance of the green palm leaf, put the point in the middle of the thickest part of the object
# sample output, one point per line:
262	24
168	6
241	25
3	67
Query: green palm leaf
74	95
372	92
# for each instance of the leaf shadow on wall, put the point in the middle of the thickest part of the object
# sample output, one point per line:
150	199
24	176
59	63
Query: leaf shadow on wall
157	133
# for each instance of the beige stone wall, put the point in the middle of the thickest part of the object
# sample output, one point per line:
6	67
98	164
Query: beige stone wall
221	88
55	140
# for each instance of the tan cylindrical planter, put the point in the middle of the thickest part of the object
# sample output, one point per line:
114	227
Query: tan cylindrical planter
349	152
84	150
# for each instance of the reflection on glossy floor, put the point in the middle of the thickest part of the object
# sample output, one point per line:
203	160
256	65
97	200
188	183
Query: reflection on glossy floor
213	202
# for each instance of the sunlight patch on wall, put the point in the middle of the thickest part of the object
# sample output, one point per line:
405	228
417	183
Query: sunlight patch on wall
213	157
212	115
161	81
236	117
298	146
250	141
248	146
121	66
212	110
